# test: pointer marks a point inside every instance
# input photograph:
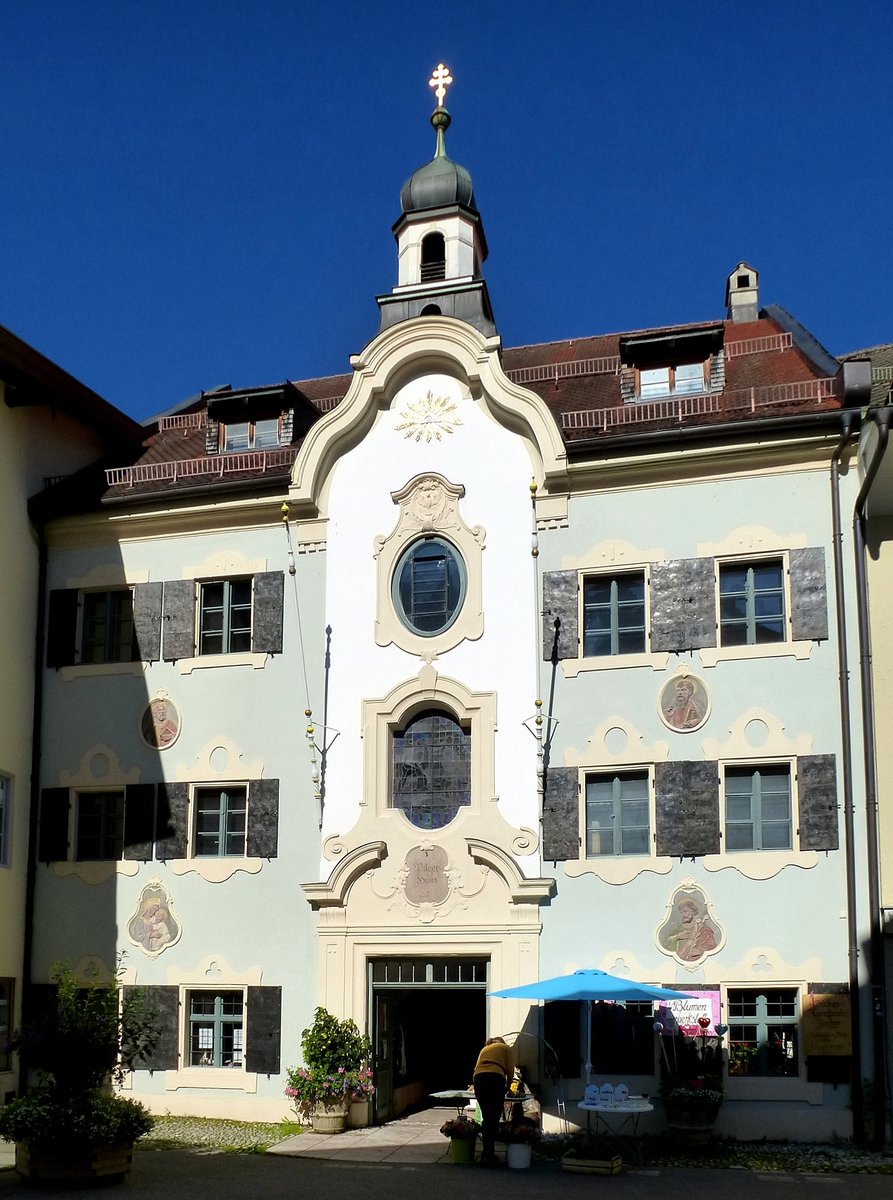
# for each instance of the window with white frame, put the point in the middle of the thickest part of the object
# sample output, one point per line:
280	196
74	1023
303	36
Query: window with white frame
614	614
683	379
251	435
107	633
5	817
99	833
617	814
752	602
215	1032
221	815
763	1038
225	616
758	810
431	769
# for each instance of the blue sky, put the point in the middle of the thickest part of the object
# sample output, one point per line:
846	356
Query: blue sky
194	194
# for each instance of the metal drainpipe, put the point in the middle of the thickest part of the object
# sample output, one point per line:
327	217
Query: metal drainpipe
881	418
849	421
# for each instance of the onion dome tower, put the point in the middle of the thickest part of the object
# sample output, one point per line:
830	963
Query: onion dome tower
440	239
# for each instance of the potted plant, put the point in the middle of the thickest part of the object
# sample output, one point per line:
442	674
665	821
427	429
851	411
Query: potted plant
520	1138
335	1074
692	1082
462	1134
73	1127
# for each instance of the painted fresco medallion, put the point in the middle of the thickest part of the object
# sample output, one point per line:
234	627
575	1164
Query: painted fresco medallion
689	931
160	723
153	926
684	703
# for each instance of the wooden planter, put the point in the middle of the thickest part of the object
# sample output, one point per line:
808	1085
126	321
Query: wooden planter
579	1165
71	1164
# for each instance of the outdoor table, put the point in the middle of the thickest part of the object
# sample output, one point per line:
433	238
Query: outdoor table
461	1097
627	1115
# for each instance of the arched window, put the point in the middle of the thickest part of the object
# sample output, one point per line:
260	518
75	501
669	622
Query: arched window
431	769
433	257
431	310
429	586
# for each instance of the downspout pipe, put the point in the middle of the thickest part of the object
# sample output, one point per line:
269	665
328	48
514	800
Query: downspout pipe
850	422
881	418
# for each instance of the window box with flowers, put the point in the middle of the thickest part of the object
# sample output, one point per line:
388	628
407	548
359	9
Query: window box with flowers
335	1076
692	1081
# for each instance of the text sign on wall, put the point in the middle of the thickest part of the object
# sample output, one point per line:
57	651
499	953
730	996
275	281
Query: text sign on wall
682	1015
826	1025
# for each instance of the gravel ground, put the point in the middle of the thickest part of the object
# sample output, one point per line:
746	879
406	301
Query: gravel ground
241	1137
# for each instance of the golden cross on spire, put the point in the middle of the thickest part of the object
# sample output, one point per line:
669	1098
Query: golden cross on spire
440	81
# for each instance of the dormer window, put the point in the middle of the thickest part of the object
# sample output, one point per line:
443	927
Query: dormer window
433	257
685	379
250	435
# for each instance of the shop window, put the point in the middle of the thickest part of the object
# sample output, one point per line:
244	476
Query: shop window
758	807
752	603
99	826
431	770
215	1028
763	1038
623	1041
220	821
614	614
617	814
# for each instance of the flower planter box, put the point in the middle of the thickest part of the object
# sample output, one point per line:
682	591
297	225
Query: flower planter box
591	1166
329	1118
73	1164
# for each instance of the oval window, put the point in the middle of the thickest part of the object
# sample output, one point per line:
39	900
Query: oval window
429	586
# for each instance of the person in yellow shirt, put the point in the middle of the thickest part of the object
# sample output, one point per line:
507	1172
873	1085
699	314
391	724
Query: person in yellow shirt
492	1076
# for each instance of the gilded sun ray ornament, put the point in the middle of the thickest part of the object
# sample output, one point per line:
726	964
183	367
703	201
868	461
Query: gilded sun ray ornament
427	418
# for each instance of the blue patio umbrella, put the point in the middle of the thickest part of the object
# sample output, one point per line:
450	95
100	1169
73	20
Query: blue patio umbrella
590	985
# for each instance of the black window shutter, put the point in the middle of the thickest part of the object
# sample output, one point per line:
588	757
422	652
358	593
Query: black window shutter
147	598
686	808
561	815
172	814
139	821
683	604
179	619
262	840
164	1002
266	621
817	793
62	628
561	633
53	837
809	595
263	1034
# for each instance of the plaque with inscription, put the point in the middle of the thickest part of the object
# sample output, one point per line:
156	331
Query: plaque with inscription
426	878
826	1024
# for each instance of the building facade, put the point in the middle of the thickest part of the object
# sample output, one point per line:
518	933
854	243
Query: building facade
385	691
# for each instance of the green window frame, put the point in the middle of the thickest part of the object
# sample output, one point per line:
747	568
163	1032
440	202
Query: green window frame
100	826
225	616
752	603
215	1034
431	770
614	614
763	1031
5	817
618	819
107	632
221	816
429	586
7	992
758	807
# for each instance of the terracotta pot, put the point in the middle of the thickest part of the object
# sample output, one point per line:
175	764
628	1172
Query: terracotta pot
330	1118
73	1163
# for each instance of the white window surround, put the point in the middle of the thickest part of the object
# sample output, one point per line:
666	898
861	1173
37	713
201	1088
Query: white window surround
100	770
218	763
615	746
213	975
223	564
758	736
766	1087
